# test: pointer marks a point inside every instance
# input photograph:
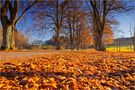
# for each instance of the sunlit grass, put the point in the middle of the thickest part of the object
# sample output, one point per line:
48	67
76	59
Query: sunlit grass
121	49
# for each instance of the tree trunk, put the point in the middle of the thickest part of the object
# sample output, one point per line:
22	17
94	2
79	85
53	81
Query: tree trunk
6	37
6	29
71	38
12	41
8	42
57	43
70	34
81	42
78	40
98	42
58	47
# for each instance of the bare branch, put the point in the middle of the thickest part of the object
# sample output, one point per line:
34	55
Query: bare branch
6	5
25	10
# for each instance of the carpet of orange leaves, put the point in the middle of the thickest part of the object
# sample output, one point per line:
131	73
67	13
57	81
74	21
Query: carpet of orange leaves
78	70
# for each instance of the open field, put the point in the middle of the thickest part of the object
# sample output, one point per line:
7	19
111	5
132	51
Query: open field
68	70
121	49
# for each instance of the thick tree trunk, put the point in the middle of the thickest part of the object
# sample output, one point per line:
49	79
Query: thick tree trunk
57	43
98	43
6	29
8	24
8	42
6	37
12	42
8	15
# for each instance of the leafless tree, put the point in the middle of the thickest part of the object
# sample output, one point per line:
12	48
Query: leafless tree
75	21
99	11
53	12
9	20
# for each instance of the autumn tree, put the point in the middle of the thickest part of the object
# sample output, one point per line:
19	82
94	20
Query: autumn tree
52	12
85	38
69	21
108	35
83	33
21	41
100	10
59	15
72	20
11	12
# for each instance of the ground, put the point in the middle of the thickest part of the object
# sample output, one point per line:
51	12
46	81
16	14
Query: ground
67	70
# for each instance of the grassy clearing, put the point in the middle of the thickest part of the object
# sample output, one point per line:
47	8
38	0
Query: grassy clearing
121	49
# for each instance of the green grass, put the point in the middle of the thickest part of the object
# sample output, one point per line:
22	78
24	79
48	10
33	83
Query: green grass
121	49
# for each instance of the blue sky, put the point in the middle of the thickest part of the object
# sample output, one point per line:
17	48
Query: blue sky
125	20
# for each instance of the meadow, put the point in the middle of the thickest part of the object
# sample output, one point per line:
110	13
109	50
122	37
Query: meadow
120	49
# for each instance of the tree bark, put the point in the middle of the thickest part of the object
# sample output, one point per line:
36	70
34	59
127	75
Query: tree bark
8	37
6	29
12	41
8	15
8	25
57	43
98	42
58	46
71	39
6	34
